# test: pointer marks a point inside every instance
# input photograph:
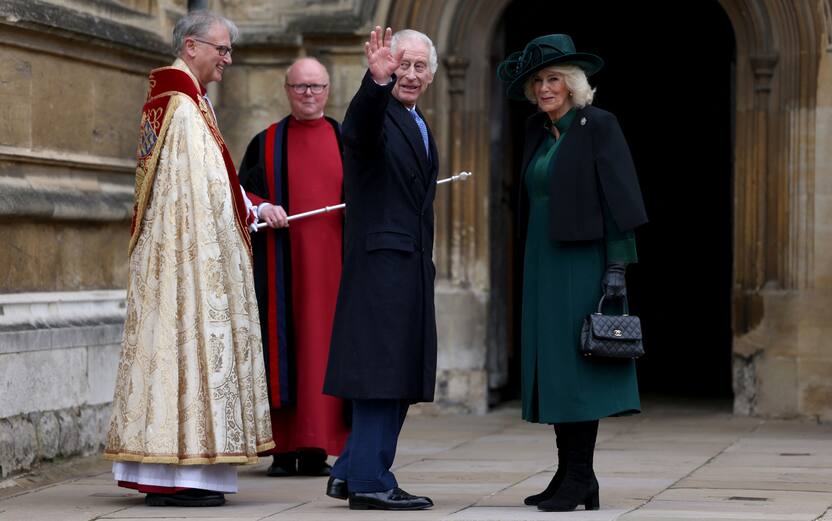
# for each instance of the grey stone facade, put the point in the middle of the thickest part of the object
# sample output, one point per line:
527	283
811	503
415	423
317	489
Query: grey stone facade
58	359
26	440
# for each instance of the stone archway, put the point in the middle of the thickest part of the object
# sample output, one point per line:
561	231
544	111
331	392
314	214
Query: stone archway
778	46
778	56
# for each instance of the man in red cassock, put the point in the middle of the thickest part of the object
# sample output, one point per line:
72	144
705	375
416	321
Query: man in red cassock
295	165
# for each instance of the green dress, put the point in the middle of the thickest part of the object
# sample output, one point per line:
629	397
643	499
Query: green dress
562	285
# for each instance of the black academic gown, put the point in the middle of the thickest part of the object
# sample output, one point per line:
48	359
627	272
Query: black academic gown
384	333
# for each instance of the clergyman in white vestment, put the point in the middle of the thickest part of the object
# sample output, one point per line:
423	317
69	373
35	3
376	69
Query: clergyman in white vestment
190	399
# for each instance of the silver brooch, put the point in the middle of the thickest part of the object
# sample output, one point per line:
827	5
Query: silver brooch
583	121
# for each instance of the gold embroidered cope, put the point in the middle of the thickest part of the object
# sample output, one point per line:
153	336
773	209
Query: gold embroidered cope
191	386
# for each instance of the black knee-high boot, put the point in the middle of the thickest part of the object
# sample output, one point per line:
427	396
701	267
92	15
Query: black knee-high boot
579	485
554	484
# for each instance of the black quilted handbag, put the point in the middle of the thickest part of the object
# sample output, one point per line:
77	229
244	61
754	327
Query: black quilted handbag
611	336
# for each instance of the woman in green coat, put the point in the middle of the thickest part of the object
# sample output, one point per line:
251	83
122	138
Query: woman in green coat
583	201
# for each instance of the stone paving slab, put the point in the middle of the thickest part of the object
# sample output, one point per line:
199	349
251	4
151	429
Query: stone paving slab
796	449
674	462
189	516
616	493
716	475
67	502
719	504
805	457
505	452
665	464
249	508
454	468
531	514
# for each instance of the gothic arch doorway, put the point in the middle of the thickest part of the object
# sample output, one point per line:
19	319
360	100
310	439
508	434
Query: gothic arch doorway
671	90
727	102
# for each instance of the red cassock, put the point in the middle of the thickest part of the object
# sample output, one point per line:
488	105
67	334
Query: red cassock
298	275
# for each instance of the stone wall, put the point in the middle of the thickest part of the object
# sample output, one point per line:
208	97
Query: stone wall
58	358
815	365
72	82
71	88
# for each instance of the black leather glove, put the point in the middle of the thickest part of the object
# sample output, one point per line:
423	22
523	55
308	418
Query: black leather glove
613	282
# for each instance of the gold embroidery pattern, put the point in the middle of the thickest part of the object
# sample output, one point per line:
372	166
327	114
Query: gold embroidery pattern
208	116
191	385
153	118
149	129
146	169
151	84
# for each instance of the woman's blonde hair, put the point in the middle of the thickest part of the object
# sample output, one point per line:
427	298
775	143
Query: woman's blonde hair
575	79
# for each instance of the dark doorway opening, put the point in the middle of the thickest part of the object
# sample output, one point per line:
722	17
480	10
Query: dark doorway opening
671	84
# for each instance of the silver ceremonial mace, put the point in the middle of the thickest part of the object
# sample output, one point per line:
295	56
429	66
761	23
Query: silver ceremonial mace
462	176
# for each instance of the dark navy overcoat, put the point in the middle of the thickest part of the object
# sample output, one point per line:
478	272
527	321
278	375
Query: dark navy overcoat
384	334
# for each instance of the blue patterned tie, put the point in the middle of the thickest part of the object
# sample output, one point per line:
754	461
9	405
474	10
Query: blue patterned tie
423	129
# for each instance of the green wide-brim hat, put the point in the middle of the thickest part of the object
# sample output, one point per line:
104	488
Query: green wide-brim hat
542	52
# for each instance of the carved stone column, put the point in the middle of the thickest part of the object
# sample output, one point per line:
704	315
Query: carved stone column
767	194
462	204
756	196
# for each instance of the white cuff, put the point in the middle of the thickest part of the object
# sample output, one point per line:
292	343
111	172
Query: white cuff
260	207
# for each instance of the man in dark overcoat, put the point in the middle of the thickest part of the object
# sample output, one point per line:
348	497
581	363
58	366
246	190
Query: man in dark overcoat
383	350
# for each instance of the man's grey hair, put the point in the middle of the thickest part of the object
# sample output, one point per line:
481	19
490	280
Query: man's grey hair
408	34
197	24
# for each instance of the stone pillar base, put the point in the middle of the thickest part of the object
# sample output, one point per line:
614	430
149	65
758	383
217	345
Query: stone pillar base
59	354
27	439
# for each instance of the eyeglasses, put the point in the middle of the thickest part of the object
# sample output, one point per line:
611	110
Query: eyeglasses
221	49
300	88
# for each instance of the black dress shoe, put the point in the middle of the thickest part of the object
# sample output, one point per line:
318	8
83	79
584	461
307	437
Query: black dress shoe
336	488
393	499
313	465
283	465
192	497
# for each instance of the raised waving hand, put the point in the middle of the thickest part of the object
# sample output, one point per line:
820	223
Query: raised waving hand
380	58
